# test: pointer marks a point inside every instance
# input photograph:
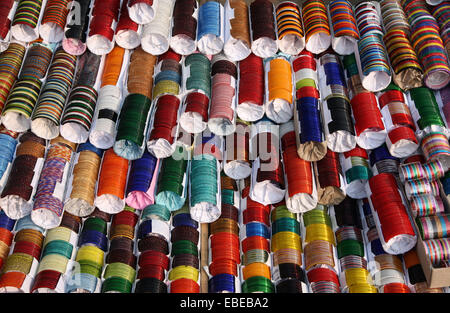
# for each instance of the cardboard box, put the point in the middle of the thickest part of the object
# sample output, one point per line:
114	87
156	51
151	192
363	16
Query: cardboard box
436	277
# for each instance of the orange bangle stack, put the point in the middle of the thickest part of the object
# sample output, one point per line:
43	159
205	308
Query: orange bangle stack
112	183
279	106
113	66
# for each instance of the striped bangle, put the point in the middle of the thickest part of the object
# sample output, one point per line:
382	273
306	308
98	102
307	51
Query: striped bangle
77	117
10	63
290	28
25	22
48	111
345	32
53	21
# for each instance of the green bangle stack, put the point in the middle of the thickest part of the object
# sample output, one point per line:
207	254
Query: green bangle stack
61	247
258	284
131	127
156	212
425	103
116	284
350	247
171	181
200	73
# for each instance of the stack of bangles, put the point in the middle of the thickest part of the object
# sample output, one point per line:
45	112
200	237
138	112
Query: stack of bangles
9	7
356	169
291	37
392	221
141	179
59	250
6	236
268	186
8	142
23	97
153	247
26	21
427	43
82	181
204	179
320	252
375	69
16	198
389	274
112	181
388	268
354	276
48	206
308	109
256	269
301	191
76	121
401	139
407	71
102	26
163	128
279	89
317	26
369	126
224	244
263	29
287	268
135	112
222	113
197	88
155	35
345	33
19	269
428	114
90	256
103	132
381	161
184	274
172	185
10	61
120	270
338	124
250	106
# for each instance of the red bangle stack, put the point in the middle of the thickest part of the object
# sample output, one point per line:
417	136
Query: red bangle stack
184	285
105	14
127	30
256	212
366	113
298	171
323	279
401	140
392	214
251	89
5	22
165	118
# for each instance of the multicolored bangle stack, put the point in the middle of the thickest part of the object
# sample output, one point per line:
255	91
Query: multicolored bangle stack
408	72
90	256
287	271
120	270
58	254
344	31
153	246
427	43
354	275
184	275
256	267
20	267
319	248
